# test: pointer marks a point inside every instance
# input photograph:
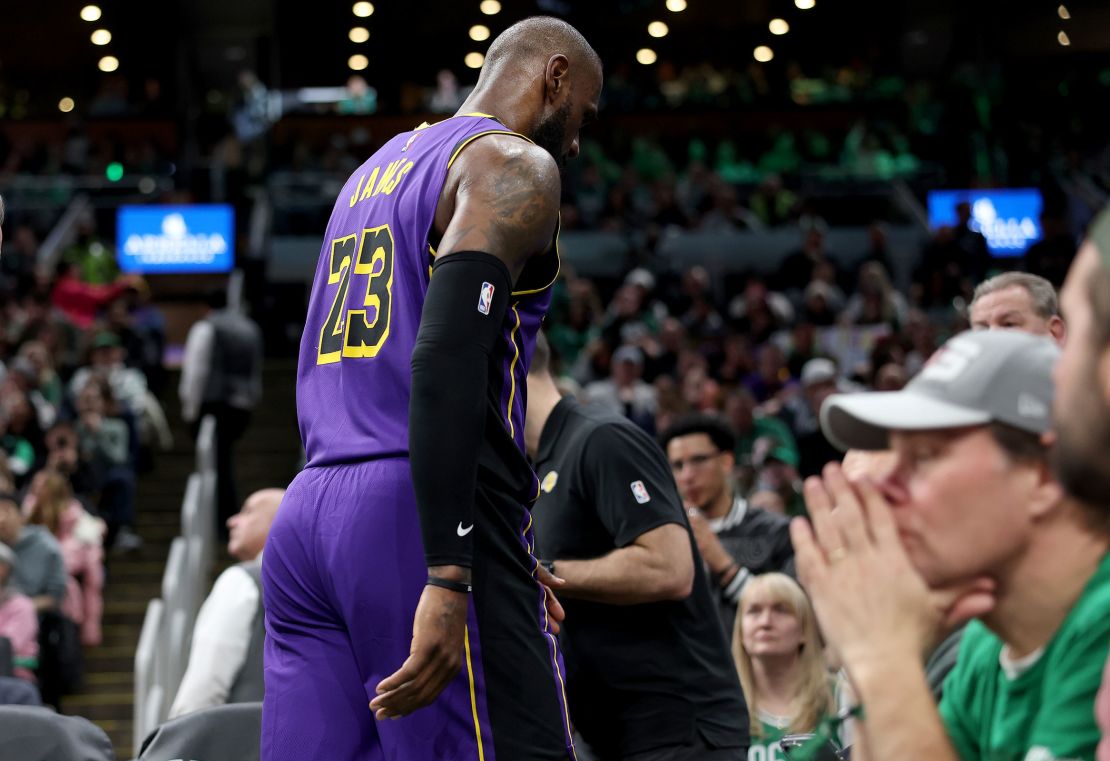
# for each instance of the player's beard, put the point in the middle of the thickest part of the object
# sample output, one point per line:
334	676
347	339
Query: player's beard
1081	457
551	134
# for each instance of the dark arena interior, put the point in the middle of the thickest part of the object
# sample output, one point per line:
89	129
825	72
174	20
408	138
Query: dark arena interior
779	202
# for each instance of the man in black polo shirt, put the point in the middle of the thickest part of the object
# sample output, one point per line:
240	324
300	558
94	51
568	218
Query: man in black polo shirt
736	540
649	675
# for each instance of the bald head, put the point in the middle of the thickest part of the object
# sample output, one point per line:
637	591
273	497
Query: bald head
541	79
538	39
250	526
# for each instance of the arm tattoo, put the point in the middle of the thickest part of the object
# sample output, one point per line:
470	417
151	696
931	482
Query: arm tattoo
517	199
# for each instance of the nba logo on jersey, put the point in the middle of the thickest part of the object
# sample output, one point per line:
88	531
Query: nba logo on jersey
485	299
640	492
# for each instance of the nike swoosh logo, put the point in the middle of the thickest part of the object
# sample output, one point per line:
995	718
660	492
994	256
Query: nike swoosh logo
464	531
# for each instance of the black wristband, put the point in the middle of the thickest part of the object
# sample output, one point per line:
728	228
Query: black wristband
454	586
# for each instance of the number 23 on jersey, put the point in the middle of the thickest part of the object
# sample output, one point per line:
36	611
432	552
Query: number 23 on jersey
363	330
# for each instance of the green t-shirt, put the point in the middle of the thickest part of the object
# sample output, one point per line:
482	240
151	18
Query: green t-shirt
769	427
766	748
1046	712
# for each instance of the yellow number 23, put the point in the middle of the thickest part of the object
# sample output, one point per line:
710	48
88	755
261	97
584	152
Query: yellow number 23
359	332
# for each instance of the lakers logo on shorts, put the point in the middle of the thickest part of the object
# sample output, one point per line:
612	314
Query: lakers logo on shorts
549	482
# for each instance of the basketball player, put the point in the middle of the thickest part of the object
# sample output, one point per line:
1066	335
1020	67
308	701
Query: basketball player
399	572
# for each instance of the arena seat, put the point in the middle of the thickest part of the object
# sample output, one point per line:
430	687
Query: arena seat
223	733
149	686
32	733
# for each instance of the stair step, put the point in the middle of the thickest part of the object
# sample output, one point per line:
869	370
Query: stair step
99	680
114	663
122	607
136	569
105	705
144	589
100	698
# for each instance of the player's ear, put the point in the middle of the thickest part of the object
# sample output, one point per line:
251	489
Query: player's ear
557	79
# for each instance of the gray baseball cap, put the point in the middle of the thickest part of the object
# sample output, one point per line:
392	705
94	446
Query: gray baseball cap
978	377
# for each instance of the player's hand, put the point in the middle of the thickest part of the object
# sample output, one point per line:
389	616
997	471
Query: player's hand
435	657
555	612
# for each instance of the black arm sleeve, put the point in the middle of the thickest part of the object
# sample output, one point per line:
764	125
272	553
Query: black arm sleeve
459	328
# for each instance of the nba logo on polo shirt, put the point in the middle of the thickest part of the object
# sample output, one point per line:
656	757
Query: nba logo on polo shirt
485	299
640	492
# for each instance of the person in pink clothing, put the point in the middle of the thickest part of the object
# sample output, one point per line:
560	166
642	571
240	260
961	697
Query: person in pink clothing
50	503
81	301
18	620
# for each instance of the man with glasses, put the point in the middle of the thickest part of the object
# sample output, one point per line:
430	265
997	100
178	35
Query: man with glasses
736	540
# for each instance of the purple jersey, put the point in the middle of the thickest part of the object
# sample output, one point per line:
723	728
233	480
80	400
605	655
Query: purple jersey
354	371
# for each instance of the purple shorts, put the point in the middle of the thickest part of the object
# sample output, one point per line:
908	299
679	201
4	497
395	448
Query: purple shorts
342	573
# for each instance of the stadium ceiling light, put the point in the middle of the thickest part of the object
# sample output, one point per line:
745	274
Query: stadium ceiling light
763	54
90	13
362	10
676	6
65	105
804	5
490	7
358	62
778	26
1062	12
646	56
358	34
479	32
1063	39
101	37
108	63
474	60
658	29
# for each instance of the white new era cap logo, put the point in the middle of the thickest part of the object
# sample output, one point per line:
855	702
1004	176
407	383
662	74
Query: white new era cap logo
950	361
1032	407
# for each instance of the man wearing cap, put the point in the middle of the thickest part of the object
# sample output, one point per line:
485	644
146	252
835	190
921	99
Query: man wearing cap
624	392
649	675
969	524
108	358
819	380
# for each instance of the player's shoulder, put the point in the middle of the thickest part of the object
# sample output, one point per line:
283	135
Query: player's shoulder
510	156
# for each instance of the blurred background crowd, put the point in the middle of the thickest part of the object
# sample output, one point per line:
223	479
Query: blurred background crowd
749	229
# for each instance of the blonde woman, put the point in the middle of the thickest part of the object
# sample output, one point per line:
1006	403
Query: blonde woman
778	654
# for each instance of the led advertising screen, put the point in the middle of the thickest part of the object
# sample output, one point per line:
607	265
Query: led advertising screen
1010	219
154	240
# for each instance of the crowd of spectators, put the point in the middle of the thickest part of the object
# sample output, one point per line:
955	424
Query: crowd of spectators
80	357
731	379
764	357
